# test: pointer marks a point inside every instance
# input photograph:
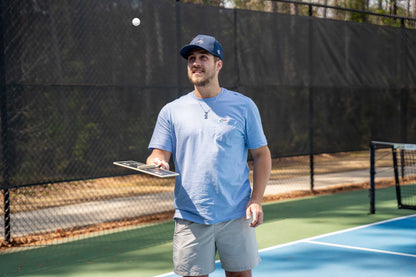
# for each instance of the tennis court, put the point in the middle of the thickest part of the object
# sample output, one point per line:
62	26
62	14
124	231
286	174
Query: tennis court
324	235
378	249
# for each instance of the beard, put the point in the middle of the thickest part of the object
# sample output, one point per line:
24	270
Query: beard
203	81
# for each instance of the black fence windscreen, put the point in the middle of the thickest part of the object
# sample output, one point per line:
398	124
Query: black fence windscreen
84	86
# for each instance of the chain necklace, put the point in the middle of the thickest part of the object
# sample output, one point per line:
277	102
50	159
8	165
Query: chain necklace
210	107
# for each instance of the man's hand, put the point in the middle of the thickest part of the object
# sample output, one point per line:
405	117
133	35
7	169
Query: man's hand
160	158
161	163
254	211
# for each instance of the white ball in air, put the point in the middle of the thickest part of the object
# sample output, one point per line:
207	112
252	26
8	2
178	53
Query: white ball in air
135	21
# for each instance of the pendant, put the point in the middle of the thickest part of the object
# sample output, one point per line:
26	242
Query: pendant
206	115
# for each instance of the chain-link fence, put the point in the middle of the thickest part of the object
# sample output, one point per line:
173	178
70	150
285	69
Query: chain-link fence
82	88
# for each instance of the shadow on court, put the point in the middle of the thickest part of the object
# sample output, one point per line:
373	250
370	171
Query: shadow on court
346	207
116	251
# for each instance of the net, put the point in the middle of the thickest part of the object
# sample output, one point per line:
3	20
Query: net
393	163
404	160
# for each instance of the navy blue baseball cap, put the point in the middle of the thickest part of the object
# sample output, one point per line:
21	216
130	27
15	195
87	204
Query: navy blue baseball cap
205	42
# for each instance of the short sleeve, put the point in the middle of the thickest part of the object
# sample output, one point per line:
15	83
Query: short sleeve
255	136
162	134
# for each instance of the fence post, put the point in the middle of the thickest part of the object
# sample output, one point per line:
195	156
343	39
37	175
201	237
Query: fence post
403	80
372	177
7	225
311	106
179	65
237	86
4	126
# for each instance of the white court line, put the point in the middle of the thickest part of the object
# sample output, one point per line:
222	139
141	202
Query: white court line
361	248
166	274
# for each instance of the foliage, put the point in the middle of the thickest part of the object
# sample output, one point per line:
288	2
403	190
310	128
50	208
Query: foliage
384	7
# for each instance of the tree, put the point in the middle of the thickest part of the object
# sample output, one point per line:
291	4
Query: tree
394	7
414	8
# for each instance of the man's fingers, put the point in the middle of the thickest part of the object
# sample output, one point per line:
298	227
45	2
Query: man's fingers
248	213
254	221
161	163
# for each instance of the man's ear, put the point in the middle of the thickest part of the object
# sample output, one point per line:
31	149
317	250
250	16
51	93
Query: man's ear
219	65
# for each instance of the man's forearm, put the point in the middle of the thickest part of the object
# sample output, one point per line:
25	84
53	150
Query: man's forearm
261	173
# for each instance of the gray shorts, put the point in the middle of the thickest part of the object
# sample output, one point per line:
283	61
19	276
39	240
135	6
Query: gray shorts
195	246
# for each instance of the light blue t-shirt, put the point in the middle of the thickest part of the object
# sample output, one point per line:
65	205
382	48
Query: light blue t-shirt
210	154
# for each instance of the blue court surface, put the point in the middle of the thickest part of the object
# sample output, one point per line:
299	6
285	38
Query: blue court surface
386	248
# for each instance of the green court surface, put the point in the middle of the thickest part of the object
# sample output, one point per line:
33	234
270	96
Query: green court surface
147	251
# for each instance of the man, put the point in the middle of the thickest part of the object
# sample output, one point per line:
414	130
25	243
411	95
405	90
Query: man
208	132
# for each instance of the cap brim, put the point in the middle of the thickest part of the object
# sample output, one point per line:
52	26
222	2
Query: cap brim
185	51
